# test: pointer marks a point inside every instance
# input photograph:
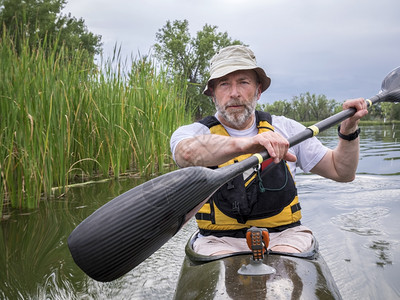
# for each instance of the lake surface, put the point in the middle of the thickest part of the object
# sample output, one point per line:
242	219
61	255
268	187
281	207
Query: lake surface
357	226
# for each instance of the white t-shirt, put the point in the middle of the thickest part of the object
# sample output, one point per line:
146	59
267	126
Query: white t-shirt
308	153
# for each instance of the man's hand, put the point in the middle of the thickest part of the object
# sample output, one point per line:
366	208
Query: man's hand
350	125
276	145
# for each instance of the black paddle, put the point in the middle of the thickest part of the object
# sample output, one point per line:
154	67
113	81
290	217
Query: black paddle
124	232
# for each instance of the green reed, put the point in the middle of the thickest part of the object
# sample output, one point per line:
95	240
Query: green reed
64	121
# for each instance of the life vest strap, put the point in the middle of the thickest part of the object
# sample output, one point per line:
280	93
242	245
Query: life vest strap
203	216
295	208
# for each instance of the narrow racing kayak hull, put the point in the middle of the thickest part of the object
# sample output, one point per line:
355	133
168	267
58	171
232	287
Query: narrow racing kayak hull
304	276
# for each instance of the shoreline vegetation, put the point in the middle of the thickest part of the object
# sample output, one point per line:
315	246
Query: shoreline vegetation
172	166
65	121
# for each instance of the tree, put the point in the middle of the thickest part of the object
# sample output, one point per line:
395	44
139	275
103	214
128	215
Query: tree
41	22
390	111
311	107
279	108
188	58
304	108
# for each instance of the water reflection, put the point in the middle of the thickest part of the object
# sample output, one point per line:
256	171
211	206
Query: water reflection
362	221
35	253
358	230
382	252
356	225
286	284
379	148
35	261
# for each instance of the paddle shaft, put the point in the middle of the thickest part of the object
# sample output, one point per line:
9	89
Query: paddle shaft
324	124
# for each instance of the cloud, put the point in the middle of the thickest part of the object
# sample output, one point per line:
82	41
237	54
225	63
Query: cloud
340	48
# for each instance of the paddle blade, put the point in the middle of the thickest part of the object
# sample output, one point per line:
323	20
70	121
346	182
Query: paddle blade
128	229
391	81
390	89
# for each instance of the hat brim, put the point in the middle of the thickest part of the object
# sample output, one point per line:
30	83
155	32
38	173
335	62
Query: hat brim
262	76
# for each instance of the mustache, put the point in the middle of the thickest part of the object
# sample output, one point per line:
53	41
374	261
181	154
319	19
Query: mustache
234	102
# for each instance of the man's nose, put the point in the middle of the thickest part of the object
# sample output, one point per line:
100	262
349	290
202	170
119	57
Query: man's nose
234	91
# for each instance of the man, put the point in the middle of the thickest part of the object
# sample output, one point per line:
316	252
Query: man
267	196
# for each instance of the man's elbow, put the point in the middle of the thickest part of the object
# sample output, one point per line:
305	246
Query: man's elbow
184	157
346	177
182	163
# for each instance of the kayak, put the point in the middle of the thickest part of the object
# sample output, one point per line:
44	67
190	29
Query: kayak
292	276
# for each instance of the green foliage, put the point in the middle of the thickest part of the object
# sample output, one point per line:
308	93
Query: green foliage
311	108
390	111
187	58
303	108
40	22
64	122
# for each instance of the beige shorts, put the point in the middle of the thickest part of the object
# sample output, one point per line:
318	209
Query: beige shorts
299	237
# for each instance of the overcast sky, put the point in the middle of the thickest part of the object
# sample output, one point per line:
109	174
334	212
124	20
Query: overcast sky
340	48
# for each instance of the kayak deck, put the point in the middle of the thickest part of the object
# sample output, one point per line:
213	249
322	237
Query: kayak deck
302	276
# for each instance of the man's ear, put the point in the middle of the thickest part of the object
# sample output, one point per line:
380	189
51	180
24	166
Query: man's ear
212	93
259	89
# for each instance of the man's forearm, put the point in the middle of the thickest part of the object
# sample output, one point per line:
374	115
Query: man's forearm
212	150
340	164
207	150
346	156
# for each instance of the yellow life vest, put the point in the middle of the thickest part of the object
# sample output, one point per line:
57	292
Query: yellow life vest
265	198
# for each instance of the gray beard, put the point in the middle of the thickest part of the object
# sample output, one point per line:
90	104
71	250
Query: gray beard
237	120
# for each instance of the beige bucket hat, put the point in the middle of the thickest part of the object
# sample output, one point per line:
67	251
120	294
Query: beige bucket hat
235	58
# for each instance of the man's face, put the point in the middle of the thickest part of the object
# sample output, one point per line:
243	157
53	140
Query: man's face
235	97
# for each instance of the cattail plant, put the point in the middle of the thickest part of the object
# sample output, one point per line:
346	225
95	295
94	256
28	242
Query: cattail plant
64	120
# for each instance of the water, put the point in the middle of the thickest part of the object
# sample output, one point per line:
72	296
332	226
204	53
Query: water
356	225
